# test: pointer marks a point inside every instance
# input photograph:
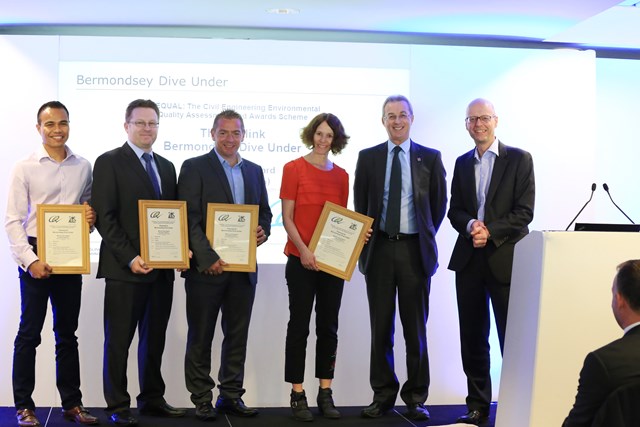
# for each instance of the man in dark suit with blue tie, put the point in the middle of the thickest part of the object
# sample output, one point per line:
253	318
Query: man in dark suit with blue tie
220	176
492	198
136	296
402	185
617	363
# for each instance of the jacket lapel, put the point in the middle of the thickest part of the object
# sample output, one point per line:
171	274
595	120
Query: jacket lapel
415	160
164	178
499	167
379	166
132	160
469	177
221	177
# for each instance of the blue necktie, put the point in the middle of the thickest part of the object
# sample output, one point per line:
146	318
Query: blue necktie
392	222
152	175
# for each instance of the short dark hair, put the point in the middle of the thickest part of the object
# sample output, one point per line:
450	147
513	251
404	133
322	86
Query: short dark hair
141	103
628	283
397	98
228	115
340	138
52	104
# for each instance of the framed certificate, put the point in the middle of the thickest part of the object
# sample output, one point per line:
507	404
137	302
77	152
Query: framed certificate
338	239
231	230
164	238
63	238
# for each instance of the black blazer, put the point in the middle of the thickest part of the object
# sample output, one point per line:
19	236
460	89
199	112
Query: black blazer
119	181
508	208
604	370
429	197
202	180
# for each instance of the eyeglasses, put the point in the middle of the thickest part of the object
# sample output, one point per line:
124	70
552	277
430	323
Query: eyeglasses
474	119
393	117
142	124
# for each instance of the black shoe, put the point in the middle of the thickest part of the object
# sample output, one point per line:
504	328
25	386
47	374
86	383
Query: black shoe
299	406
375	410
325	403
123	418
474	417
417	412
235	407
162	410
206	412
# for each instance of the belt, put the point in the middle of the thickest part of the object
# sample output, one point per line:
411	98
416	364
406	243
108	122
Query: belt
399	236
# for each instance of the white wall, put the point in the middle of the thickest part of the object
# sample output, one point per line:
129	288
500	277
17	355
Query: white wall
549	103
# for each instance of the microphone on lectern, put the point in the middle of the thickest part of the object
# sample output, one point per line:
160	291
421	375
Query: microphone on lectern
593	189
606	188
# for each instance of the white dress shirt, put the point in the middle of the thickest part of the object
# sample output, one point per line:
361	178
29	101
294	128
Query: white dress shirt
39	179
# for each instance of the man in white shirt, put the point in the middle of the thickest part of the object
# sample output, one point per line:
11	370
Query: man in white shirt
53	174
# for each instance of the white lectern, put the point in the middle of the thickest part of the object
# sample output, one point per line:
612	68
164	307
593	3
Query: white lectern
559	310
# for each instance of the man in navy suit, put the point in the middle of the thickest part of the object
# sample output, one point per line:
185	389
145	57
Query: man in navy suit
402	186
136	296
617	363
220	176
492	198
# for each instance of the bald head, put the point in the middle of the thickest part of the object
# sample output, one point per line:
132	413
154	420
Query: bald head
485	104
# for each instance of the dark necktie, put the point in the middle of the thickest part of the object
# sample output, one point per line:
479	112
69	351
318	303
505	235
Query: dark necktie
152	175
392	222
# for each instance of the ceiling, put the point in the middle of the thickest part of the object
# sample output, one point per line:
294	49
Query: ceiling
594	23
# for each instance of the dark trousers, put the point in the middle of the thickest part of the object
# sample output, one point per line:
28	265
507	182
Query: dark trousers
127	306
234	297
396	267
64	291
475	285
305	286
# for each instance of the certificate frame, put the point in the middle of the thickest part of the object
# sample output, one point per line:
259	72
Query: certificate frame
328	228
146	209
214	230
48	215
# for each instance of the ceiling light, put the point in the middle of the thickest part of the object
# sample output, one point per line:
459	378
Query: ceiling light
283	11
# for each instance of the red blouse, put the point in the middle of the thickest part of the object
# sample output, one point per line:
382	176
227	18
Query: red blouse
310	187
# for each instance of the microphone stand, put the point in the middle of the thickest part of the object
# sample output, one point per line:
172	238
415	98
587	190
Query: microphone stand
593	189
606	188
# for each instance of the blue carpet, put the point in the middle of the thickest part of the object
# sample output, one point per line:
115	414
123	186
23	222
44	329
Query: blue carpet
269	417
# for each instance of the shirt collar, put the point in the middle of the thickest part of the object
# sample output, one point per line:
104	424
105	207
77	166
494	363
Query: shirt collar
224	162
406	145
631	326
493	148
42	153
139	151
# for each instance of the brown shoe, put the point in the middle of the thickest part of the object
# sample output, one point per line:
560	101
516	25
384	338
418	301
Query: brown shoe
27	418
80	415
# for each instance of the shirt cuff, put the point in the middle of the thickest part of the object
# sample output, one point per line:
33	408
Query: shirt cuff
469	224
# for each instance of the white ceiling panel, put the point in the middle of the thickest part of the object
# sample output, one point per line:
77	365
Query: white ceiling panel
593	22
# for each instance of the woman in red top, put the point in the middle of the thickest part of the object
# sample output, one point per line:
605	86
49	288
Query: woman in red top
307	183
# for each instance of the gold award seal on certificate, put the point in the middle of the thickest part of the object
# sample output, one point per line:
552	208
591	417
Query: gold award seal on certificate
63	238
164	241
231	230
338	239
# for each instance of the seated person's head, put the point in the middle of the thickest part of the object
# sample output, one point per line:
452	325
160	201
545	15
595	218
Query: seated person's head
626	293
